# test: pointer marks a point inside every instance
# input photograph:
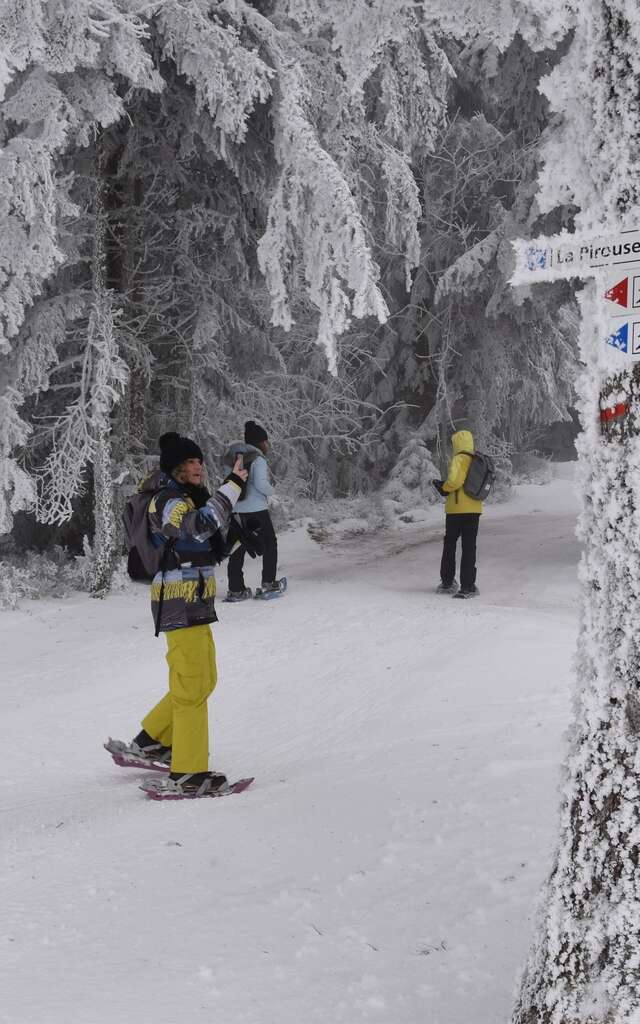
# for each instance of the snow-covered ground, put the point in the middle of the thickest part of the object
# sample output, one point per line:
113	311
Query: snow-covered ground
385	863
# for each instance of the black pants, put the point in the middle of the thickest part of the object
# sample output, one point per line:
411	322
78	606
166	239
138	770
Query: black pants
269	550
464	525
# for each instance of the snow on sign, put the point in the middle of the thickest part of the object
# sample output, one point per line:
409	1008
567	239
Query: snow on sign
567	255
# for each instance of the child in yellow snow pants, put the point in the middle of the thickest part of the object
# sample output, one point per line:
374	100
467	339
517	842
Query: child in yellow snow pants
180	720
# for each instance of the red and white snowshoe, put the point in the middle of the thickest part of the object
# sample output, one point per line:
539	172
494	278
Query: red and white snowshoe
193	787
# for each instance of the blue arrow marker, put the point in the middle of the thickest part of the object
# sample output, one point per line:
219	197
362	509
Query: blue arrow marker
620	339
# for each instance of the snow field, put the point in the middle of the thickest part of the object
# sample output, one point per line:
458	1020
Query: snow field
385	863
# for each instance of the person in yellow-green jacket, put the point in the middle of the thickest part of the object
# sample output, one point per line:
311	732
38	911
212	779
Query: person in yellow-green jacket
462	518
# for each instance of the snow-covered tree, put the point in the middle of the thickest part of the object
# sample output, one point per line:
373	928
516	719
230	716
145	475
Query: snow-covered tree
57	70
272	172
465	345
584	967
287	106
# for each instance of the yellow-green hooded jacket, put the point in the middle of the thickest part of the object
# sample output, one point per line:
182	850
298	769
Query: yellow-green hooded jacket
457	500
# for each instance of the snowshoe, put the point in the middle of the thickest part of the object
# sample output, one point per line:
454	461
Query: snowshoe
132	755
192	787
466	592
270	590
447	588
233	596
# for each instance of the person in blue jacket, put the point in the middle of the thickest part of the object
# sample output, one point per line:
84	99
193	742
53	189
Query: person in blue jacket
253	510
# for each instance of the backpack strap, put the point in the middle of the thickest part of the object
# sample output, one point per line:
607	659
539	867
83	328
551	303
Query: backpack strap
169	546
470	454
168	549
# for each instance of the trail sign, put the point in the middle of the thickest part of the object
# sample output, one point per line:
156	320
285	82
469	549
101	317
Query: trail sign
614	309
565	255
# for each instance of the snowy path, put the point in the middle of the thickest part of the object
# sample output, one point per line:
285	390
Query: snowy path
384	865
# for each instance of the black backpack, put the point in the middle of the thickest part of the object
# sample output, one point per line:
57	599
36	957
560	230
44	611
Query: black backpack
480	477
144	558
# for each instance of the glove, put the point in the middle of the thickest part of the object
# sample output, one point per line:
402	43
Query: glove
438	486
235	479
252	542
245	535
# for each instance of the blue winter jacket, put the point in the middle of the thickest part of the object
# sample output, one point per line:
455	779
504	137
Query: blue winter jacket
258	487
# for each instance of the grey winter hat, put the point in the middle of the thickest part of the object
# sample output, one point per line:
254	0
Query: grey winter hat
175	449
254	433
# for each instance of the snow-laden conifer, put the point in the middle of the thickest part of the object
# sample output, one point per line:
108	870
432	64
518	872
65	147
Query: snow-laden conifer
56	70
584	967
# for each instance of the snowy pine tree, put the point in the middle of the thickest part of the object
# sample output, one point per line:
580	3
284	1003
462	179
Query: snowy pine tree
275	173
584	967
58	64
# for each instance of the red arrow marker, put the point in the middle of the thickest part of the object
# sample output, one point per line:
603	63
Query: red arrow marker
619	293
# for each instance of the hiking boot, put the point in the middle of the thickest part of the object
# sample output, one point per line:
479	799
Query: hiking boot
270	588
447	588
233	596
268	591
137	755
467	592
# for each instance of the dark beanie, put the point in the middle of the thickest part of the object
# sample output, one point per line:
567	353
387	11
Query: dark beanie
175	449
254	433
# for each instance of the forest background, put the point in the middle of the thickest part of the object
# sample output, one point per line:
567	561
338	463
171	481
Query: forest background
289	210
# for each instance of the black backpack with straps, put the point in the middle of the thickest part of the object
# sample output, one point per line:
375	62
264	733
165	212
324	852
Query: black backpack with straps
144	558
480	476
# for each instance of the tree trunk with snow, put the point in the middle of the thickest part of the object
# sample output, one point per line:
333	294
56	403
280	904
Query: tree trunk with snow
584	967
101	344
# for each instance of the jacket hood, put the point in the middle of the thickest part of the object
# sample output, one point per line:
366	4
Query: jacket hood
462	441
243	448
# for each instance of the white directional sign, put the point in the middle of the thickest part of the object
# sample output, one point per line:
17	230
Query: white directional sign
565	256
613	261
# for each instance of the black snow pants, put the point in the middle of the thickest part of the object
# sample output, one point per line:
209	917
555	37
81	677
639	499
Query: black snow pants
463	525
269	550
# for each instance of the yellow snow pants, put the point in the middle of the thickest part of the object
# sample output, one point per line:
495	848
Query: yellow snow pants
180	720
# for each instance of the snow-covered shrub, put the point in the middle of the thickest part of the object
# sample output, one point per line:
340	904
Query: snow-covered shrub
81	567
52	574
120	580
410	479
345	518
504	482
32	576
12	585
531	469
283	509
